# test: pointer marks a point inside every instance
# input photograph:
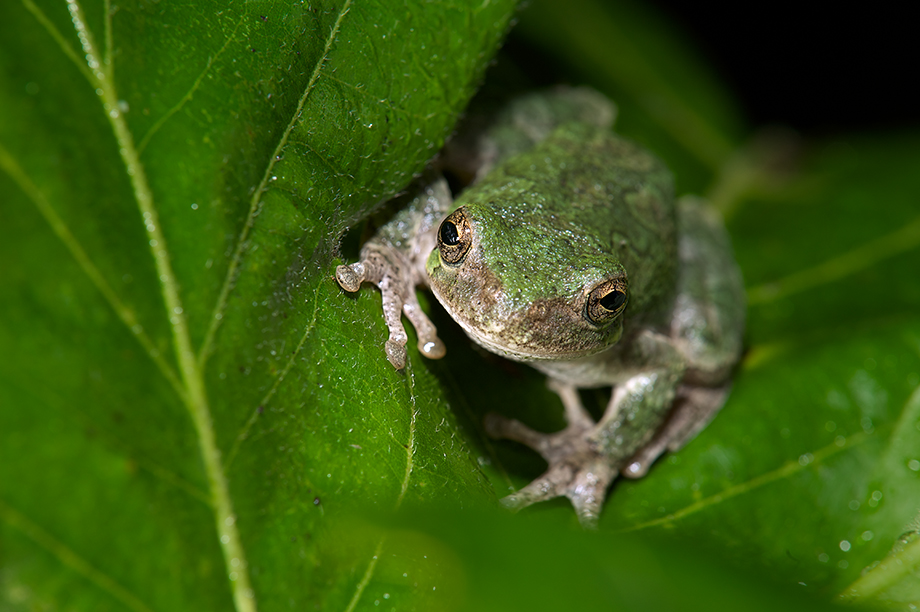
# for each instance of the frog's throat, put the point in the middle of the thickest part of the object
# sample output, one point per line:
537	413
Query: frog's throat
498	345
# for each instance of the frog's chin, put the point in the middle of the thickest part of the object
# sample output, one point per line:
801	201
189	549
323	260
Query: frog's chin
499	345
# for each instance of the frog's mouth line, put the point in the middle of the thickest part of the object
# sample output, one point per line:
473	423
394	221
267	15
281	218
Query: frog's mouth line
547	329
548	353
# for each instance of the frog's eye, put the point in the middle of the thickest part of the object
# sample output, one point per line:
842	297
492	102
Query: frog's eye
606	301
454	237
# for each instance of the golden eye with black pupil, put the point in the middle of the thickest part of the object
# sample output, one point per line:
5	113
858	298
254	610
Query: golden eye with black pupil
606	301
613	300
454	238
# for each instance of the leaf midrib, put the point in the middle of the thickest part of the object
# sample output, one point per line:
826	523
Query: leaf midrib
99	72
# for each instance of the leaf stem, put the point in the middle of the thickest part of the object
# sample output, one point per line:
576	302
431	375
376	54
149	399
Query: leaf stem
196	401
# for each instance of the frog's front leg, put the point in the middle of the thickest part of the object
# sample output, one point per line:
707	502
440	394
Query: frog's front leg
384	266
394	260
585	457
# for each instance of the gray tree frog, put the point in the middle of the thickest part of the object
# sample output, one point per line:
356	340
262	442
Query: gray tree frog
569	253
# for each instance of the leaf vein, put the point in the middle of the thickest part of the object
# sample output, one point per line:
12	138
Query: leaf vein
897	566
788	469
65	46
142	145
458	396
856	260
68	557
256	201
410	445
900	562
386	103
324	161
366	578
900	437
60	229
243	435
196	400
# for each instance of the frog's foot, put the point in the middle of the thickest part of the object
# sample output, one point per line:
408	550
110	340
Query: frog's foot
388	269
576	469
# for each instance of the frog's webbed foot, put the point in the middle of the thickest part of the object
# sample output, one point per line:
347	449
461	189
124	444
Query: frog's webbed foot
388	269
394	261
576	469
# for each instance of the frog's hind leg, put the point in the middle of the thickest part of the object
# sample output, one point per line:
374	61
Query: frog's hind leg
575	470
706	328
694	408
708	321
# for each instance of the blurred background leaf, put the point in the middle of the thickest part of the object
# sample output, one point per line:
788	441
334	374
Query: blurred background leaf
257	135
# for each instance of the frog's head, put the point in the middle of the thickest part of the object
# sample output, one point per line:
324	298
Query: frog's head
526	287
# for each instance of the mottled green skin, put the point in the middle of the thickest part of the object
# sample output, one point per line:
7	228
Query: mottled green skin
581	207
534	262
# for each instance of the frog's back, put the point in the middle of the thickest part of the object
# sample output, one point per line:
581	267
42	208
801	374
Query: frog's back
586	197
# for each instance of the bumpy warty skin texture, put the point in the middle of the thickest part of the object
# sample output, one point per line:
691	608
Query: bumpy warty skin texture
581	207
571	254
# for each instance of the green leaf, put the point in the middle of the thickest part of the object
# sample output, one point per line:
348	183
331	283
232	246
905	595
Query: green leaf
177	402
536	562
190	407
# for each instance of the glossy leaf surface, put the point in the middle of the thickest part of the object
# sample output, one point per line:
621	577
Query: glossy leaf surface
194	416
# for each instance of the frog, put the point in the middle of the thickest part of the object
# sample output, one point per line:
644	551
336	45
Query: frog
569	252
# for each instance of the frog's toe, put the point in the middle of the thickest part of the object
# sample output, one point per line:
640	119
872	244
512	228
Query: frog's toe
588	489
502	428
396	353
350	277
585	486
429	344
543	488
432	347
576	470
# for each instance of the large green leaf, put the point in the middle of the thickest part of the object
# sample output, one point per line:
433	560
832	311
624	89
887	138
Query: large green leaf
194	416
178	397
